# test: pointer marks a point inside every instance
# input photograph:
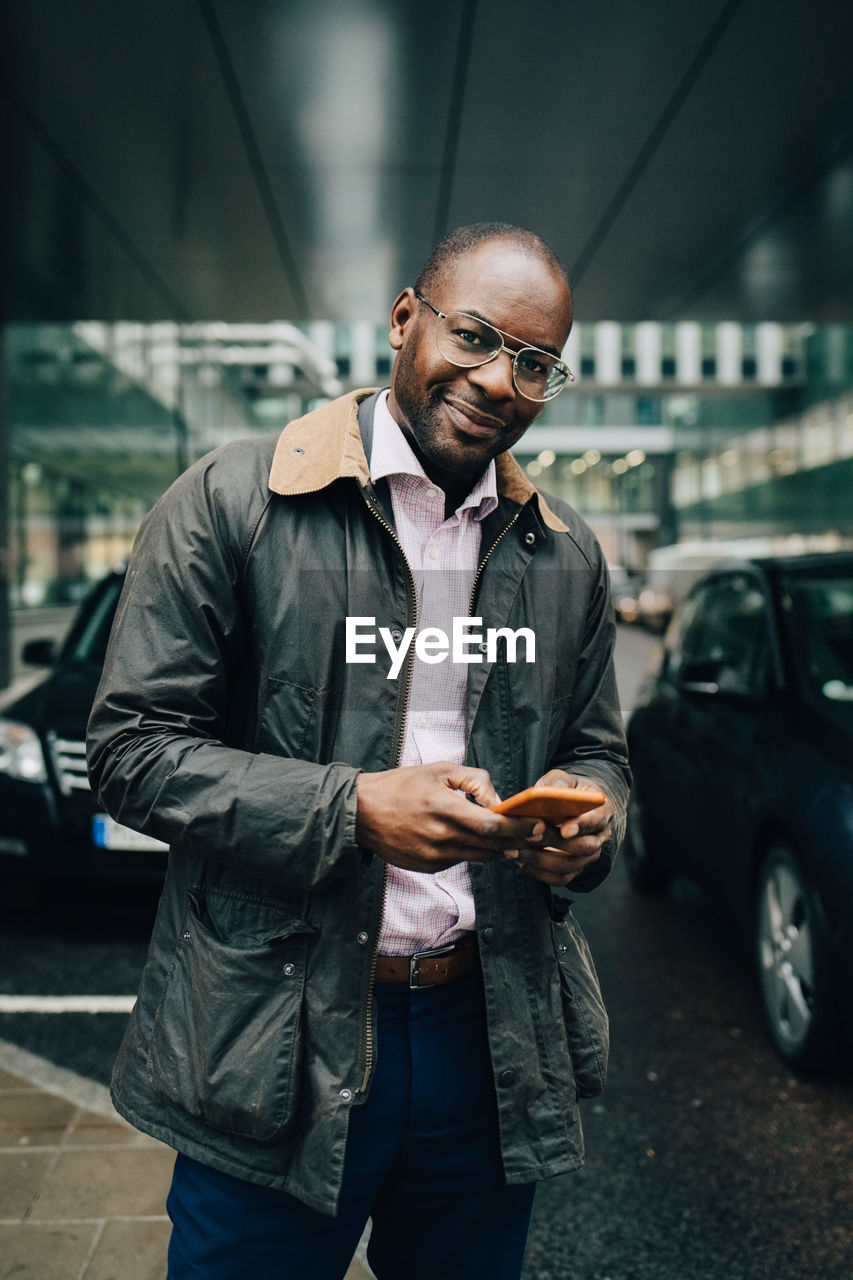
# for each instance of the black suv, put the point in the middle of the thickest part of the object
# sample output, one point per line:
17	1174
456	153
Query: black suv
50	824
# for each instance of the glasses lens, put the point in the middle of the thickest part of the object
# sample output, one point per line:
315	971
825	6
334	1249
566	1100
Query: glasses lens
538	375
465	340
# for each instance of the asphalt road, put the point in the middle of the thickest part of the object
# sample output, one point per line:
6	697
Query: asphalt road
706	1159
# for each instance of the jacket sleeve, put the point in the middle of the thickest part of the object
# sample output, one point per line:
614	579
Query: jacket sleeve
166	750
593	740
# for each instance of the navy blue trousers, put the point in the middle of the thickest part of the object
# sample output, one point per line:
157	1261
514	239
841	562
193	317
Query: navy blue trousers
423	1162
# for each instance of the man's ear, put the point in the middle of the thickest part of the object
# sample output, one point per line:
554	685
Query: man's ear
402	315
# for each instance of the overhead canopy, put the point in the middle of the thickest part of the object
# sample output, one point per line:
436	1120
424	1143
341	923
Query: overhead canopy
204	159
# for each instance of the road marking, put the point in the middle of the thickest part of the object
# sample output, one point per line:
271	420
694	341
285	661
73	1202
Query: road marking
38	1073
66	1004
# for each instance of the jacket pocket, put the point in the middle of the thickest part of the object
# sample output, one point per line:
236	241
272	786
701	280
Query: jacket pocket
226	1042
291	719
587	1023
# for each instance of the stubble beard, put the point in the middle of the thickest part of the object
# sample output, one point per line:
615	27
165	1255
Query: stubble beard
428	431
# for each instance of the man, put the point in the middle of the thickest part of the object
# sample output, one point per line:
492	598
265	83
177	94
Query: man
279	705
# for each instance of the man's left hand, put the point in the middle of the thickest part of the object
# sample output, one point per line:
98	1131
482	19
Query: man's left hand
558	854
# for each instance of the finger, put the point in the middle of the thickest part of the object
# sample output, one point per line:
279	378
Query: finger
474	782
583	845
550	835
557	778
558	861
495	830
572	829
549	877
561	873
497	840
553	867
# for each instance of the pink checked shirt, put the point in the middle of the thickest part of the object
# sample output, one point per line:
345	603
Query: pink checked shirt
421	910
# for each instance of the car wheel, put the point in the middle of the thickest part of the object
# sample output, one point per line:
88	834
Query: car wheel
645	874
792	963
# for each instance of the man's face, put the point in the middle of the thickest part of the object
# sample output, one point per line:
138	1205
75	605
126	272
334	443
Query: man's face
458	419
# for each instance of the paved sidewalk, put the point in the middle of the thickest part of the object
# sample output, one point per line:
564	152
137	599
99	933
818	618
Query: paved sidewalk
82	1193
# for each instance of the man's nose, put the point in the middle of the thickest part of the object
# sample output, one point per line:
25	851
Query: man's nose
495	378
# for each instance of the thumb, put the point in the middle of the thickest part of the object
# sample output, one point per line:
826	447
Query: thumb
474	782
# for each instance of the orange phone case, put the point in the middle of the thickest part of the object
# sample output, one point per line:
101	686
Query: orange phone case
554	804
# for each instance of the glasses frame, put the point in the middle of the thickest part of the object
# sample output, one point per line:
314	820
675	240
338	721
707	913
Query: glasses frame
525	346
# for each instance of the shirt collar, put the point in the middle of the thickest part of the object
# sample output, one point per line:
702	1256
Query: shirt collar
392	455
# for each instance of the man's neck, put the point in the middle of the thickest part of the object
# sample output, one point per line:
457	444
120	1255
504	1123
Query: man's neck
454	486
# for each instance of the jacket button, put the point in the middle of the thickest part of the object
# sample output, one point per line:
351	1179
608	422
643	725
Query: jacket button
363	937
506	1077
530	539
346	1095
396	635
290	969
488	934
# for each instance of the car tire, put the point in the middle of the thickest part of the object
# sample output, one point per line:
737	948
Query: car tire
794	974
645	874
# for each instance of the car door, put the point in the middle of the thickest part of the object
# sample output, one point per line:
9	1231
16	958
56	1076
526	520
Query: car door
721	722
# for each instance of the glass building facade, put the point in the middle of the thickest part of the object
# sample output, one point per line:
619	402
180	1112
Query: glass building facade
670	432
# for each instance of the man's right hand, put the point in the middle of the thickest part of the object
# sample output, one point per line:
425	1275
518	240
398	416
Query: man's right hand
414	818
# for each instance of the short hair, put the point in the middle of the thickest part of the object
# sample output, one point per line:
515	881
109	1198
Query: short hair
463	239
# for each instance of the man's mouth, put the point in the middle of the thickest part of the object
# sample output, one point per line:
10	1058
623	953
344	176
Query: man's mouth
473	420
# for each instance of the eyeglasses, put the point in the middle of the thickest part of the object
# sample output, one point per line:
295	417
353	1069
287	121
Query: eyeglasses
466	341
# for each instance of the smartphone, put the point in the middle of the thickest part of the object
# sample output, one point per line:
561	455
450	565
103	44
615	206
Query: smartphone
553	804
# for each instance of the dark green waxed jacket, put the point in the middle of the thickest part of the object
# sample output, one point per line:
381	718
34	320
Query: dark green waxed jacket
229	724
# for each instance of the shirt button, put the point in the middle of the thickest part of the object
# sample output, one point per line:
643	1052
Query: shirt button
362	937
423	721
433	553
346	1095
432	493
506	1077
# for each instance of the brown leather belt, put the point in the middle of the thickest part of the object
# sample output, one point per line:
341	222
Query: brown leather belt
431	968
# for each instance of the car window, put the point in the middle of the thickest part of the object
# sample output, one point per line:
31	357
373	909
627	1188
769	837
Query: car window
725	635
87	640
820	617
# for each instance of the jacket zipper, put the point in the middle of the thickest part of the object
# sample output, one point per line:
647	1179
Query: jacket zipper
475	584
399	726
402	707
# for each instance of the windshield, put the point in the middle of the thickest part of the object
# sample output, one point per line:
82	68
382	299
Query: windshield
821	613
87	640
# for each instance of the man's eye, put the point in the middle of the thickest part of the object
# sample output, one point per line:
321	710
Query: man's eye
530	363
468	337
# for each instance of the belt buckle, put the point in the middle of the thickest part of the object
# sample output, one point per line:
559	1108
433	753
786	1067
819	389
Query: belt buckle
414	960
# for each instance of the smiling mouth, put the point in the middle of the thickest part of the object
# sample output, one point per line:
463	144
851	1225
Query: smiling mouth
472	419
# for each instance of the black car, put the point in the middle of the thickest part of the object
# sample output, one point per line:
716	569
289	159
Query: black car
50	824
742	749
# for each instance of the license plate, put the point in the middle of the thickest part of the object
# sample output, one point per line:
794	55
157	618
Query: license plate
109	834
